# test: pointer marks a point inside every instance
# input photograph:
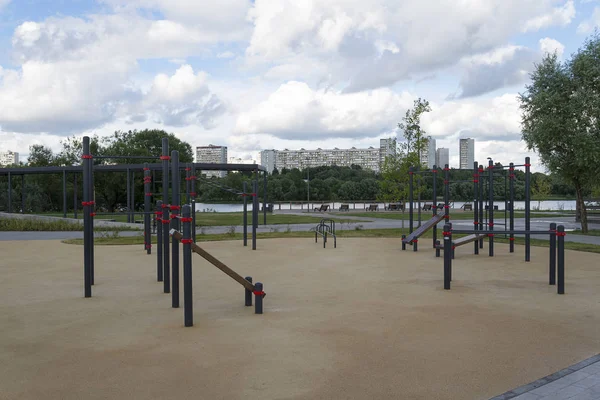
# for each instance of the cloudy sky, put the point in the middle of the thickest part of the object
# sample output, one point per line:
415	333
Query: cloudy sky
277	73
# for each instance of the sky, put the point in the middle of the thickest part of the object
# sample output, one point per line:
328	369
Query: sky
262	74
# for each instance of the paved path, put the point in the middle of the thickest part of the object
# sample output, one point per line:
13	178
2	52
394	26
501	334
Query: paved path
578	382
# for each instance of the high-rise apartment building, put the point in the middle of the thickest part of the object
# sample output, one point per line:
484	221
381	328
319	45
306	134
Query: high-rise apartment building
442	157
371	158
428	154
467	153
9	158
212	154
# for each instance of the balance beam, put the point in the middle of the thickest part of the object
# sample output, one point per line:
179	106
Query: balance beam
208	257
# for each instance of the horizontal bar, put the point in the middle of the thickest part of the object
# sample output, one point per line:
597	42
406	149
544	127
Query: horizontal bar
473	231
132	157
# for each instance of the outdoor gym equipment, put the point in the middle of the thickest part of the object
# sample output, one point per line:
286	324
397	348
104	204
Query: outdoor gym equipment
324	228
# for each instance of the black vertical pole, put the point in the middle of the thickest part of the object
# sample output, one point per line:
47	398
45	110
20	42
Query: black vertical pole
245	215
188	182
447	255
166	218
434	205
491	206
128	172
193	201
410	199
23	192
481	177
446	193
75	196
560	233
132	196
527	208
175	190
91	218
87	159
248	293
511	183
265	198
187	241
552	258
258	294
254	212
147	205
159	241
475	205
9	192
64	180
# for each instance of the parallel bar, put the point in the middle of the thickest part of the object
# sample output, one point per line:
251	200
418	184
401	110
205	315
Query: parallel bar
193	203
516	232
560	233
264	198
245	216
476	178
481	204
75	205
159	241
447	193
175	189
447	255
128	201
9	192
64	180
91	219
131	157
512	206
434	209
24	194
410	199
147	205
211	259
254	212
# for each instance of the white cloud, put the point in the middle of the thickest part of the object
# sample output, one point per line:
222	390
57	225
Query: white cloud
226	54
4	3
295	111
549	45
560	16
588	25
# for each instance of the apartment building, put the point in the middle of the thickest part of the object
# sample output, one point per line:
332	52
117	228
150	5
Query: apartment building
8	158
428	154
212	154
467	153
442	157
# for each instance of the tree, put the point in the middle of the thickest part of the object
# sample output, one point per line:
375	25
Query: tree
416	142
561	117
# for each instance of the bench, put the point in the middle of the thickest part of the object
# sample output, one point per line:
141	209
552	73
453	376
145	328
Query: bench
323	208
395	207
344	207
488	207
467	207
372	207
269	208
427	207
440	206
592	211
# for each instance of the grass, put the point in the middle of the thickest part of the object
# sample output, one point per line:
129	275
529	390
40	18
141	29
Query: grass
591	232
356	233
39	225
225	219
459	215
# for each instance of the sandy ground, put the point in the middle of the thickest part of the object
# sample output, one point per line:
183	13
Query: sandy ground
363	321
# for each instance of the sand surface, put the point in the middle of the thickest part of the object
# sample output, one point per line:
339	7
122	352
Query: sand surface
363	321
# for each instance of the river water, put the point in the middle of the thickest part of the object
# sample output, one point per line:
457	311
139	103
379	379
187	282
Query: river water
546	205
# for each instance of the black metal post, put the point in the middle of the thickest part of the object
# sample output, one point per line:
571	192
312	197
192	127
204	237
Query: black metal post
481	177
446	193
552	258
166	217
254	213
147	205
9	192
175	190
188	182
64	181
527	208
87	159
193	202
403	237
491	207
511	183
447	255
434	205
128	172
188	303
91	220
248	293
23	193
265	198
75	196
410	199
560	233
258	294
132	208
245	215
159	241
475	205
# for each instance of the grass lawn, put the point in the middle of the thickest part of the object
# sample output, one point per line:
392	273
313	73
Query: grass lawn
460	215
225	219
29	225
591	232
387	233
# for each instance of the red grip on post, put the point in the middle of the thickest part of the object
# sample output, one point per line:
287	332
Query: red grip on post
87	156
87	203
528	165
475	181
410	172
446	233
173	208
434	171
146	169
561	233
92	214
259	293
446	169
186	219
188	169
165	221
187	241
475	223
511	238
165	206
491	224
490	234
193	194
165	158
148	194
159	213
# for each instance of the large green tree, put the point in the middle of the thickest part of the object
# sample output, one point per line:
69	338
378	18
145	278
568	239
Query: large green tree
561	117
